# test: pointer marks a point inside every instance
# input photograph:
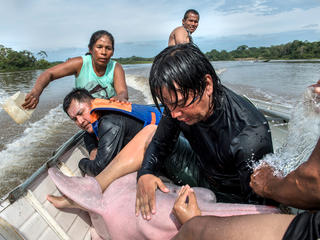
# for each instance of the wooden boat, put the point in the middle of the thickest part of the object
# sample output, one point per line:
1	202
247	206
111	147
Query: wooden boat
26	214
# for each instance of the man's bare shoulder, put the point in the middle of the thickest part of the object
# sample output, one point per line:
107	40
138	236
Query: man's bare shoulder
179	30
177	36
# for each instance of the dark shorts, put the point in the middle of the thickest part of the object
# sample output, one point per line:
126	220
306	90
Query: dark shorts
305	225
182	166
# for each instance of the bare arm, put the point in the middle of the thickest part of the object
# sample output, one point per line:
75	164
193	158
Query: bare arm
70	67
120	85
178	36
246	227
299	189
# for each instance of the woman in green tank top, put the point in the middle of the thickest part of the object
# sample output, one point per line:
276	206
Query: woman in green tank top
96	72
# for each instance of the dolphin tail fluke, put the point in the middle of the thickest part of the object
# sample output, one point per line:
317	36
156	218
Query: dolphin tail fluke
84	191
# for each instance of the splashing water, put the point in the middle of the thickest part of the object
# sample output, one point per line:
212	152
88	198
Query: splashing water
33	136
303	134
140	83
21	157
3	98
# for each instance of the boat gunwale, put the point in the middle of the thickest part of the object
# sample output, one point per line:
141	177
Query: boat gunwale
268	108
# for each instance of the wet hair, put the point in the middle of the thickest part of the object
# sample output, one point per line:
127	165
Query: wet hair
97	35
186	14
79	94
186	66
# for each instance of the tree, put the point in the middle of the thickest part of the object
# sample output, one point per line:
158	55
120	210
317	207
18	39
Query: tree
42	54
293	50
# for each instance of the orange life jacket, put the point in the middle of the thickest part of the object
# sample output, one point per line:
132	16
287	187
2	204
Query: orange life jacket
145	113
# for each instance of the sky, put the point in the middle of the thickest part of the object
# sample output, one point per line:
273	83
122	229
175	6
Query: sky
63	28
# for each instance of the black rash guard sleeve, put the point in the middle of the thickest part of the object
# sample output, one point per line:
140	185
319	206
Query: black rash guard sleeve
90	141
110	136
161	146
247	148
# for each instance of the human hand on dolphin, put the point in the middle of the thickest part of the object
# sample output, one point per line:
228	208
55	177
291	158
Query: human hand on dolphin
312	97
186	206
145	198
316	87
262	180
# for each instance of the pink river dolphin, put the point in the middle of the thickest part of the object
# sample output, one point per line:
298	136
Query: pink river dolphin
113	211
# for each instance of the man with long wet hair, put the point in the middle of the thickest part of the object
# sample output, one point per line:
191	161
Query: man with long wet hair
224	129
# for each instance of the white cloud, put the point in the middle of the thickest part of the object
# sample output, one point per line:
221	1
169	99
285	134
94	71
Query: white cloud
52	24
216	24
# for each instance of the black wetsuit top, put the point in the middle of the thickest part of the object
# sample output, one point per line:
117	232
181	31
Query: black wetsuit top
233	137
115	131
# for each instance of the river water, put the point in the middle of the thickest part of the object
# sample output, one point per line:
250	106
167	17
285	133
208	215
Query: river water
25	147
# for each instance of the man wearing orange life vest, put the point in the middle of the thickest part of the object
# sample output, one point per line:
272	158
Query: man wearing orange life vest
114	124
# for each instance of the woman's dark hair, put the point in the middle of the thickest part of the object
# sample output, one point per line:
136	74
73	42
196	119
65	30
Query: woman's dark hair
186	14
97	35
186	66
79	94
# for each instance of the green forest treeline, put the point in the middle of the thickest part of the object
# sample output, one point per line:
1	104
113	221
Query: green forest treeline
292	50
133	60
11	60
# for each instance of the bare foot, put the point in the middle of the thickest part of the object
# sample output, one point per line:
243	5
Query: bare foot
62	202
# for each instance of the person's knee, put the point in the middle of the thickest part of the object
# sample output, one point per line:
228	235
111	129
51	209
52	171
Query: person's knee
150	128
148	131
